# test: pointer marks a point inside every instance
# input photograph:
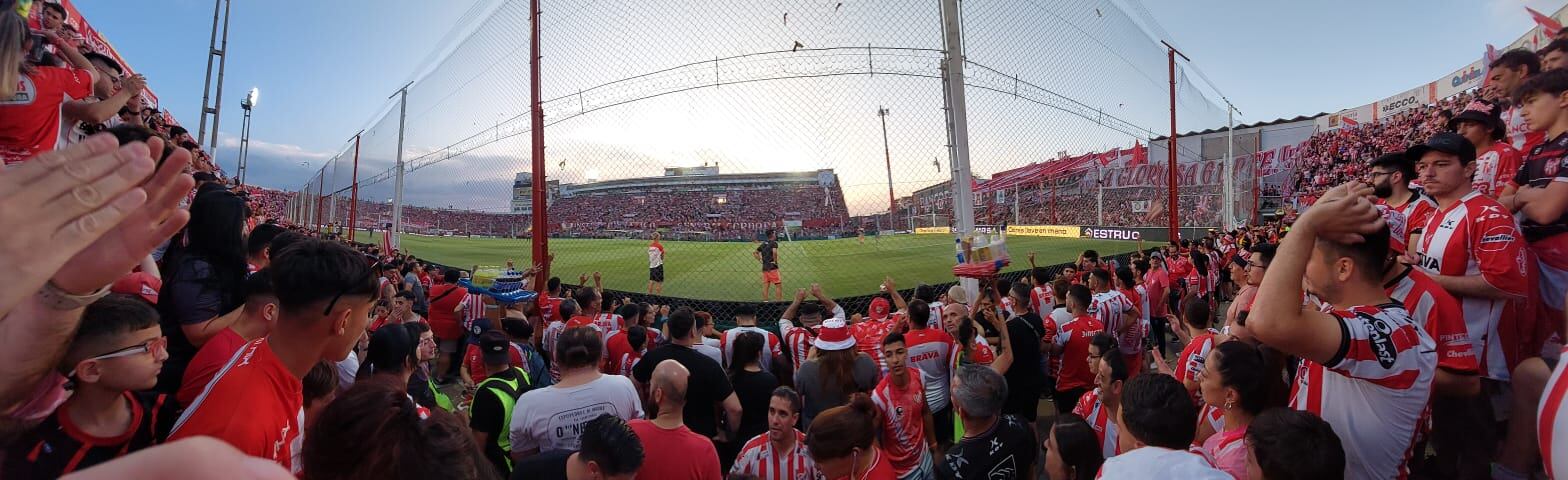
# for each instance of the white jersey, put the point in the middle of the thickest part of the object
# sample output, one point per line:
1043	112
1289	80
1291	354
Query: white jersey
759	458
1552	420
1160	463
1475	236
770	345
1374	391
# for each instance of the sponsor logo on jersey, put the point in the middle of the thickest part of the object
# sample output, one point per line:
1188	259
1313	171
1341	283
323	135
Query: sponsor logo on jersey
1381	337
1551	167
1497	238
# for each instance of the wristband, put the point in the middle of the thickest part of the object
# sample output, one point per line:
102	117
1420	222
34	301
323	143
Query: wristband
56	299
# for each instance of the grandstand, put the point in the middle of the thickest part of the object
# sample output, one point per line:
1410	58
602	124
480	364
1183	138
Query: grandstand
703	204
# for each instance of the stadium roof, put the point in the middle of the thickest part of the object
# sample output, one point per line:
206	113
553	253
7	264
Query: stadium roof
1245	126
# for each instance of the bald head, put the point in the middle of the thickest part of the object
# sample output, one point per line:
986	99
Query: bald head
669	380
952	313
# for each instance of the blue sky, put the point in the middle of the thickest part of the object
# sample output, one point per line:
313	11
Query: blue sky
326	68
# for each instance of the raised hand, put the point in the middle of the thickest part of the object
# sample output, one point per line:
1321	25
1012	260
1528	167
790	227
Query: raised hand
800	295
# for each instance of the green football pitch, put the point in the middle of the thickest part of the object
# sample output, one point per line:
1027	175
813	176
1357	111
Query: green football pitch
727	270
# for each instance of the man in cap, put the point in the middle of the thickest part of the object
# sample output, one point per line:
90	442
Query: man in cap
1496	161
494	399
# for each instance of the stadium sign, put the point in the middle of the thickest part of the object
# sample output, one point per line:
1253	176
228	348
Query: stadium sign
1111	233
1057	231
933	230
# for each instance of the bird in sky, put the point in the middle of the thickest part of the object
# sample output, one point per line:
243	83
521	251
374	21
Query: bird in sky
797	47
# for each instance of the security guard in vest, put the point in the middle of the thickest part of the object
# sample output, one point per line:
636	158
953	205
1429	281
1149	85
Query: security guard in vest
491	414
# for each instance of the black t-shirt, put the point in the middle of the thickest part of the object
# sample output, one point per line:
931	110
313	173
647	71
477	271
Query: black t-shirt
549	465
708	385
488	415
755	390
193	292
51	450
1024	376
769	249
1007	450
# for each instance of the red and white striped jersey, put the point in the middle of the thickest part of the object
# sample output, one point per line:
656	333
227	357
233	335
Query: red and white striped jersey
797	341
759	458
1008	306
1439	314
1552	420
1090	408
1193	356
1495	169
930	351
903	420
473	306
552	333
1519	135
608	324
1110	307
868	335
1041	297
1374	389
770	344
1477	236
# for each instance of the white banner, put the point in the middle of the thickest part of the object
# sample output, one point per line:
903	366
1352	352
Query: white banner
1139	206
1349	117
1468	77
1413	98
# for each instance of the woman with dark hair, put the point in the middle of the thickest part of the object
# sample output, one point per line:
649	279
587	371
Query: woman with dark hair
837	371
394	352
1072	450
1198	279
753	385
204	273
1233	381
841	442
549	418
420	384
409	441
318	389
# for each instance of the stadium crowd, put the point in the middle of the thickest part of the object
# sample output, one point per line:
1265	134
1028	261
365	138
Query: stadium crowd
155	326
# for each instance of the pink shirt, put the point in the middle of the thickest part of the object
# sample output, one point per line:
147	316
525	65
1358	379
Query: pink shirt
1228	452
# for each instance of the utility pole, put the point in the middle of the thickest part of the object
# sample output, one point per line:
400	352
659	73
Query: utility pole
222	53
397	191
958	129
541	236
887	155
1170	171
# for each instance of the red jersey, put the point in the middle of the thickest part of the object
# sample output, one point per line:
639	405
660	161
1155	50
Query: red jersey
868	338
444	300
676	453
903	420
621	357
759	458
213	356
255	386
1373	392
1439	313
609	323
585	321
1476	236
1193	357
1111	307
1519	135
1552	420
1157	282
1495	169
1073	340
474	361
31	118
548	305
770	344
979	353
1090	408
931	351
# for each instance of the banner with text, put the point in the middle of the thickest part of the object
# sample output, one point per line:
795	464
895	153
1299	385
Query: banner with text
1413	98
1058	231
933	230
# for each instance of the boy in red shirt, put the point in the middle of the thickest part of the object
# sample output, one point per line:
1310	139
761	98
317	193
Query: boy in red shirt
908	429
324	291
112	362
256	319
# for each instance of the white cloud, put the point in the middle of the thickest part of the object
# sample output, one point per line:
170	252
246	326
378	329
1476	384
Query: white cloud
262	147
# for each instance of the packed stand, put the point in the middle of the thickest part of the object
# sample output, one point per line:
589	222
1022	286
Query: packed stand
1422	330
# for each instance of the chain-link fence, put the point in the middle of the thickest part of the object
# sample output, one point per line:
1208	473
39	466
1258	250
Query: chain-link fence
713	122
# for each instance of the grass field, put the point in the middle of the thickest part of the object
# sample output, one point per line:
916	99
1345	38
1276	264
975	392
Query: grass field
727	271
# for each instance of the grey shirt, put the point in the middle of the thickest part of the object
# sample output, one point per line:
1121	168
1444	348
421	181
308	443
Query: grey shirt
818	398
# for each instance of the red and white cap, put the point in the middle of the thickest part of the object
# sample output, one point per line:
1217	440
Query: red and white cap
834	335
879	308
139	284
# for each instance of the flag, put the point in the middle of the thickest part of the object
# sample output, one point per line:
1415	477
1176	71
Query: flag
1140	155
386	242
1549	26
1349	122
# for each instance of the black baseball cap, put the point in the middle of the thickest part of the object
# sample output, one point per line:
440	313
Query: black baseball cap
1485	113
493	346
1446	142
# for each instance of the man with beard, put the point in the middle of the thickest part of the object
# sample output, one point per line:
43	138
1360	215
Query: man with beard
1390	177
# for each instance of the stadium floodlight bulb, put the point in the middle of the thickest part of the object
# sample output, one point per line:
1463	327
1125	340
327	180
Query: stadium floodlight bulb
251	98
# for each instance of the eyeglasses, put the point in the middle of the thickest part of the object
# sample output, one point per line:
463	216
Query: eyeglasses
328	311
154	346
